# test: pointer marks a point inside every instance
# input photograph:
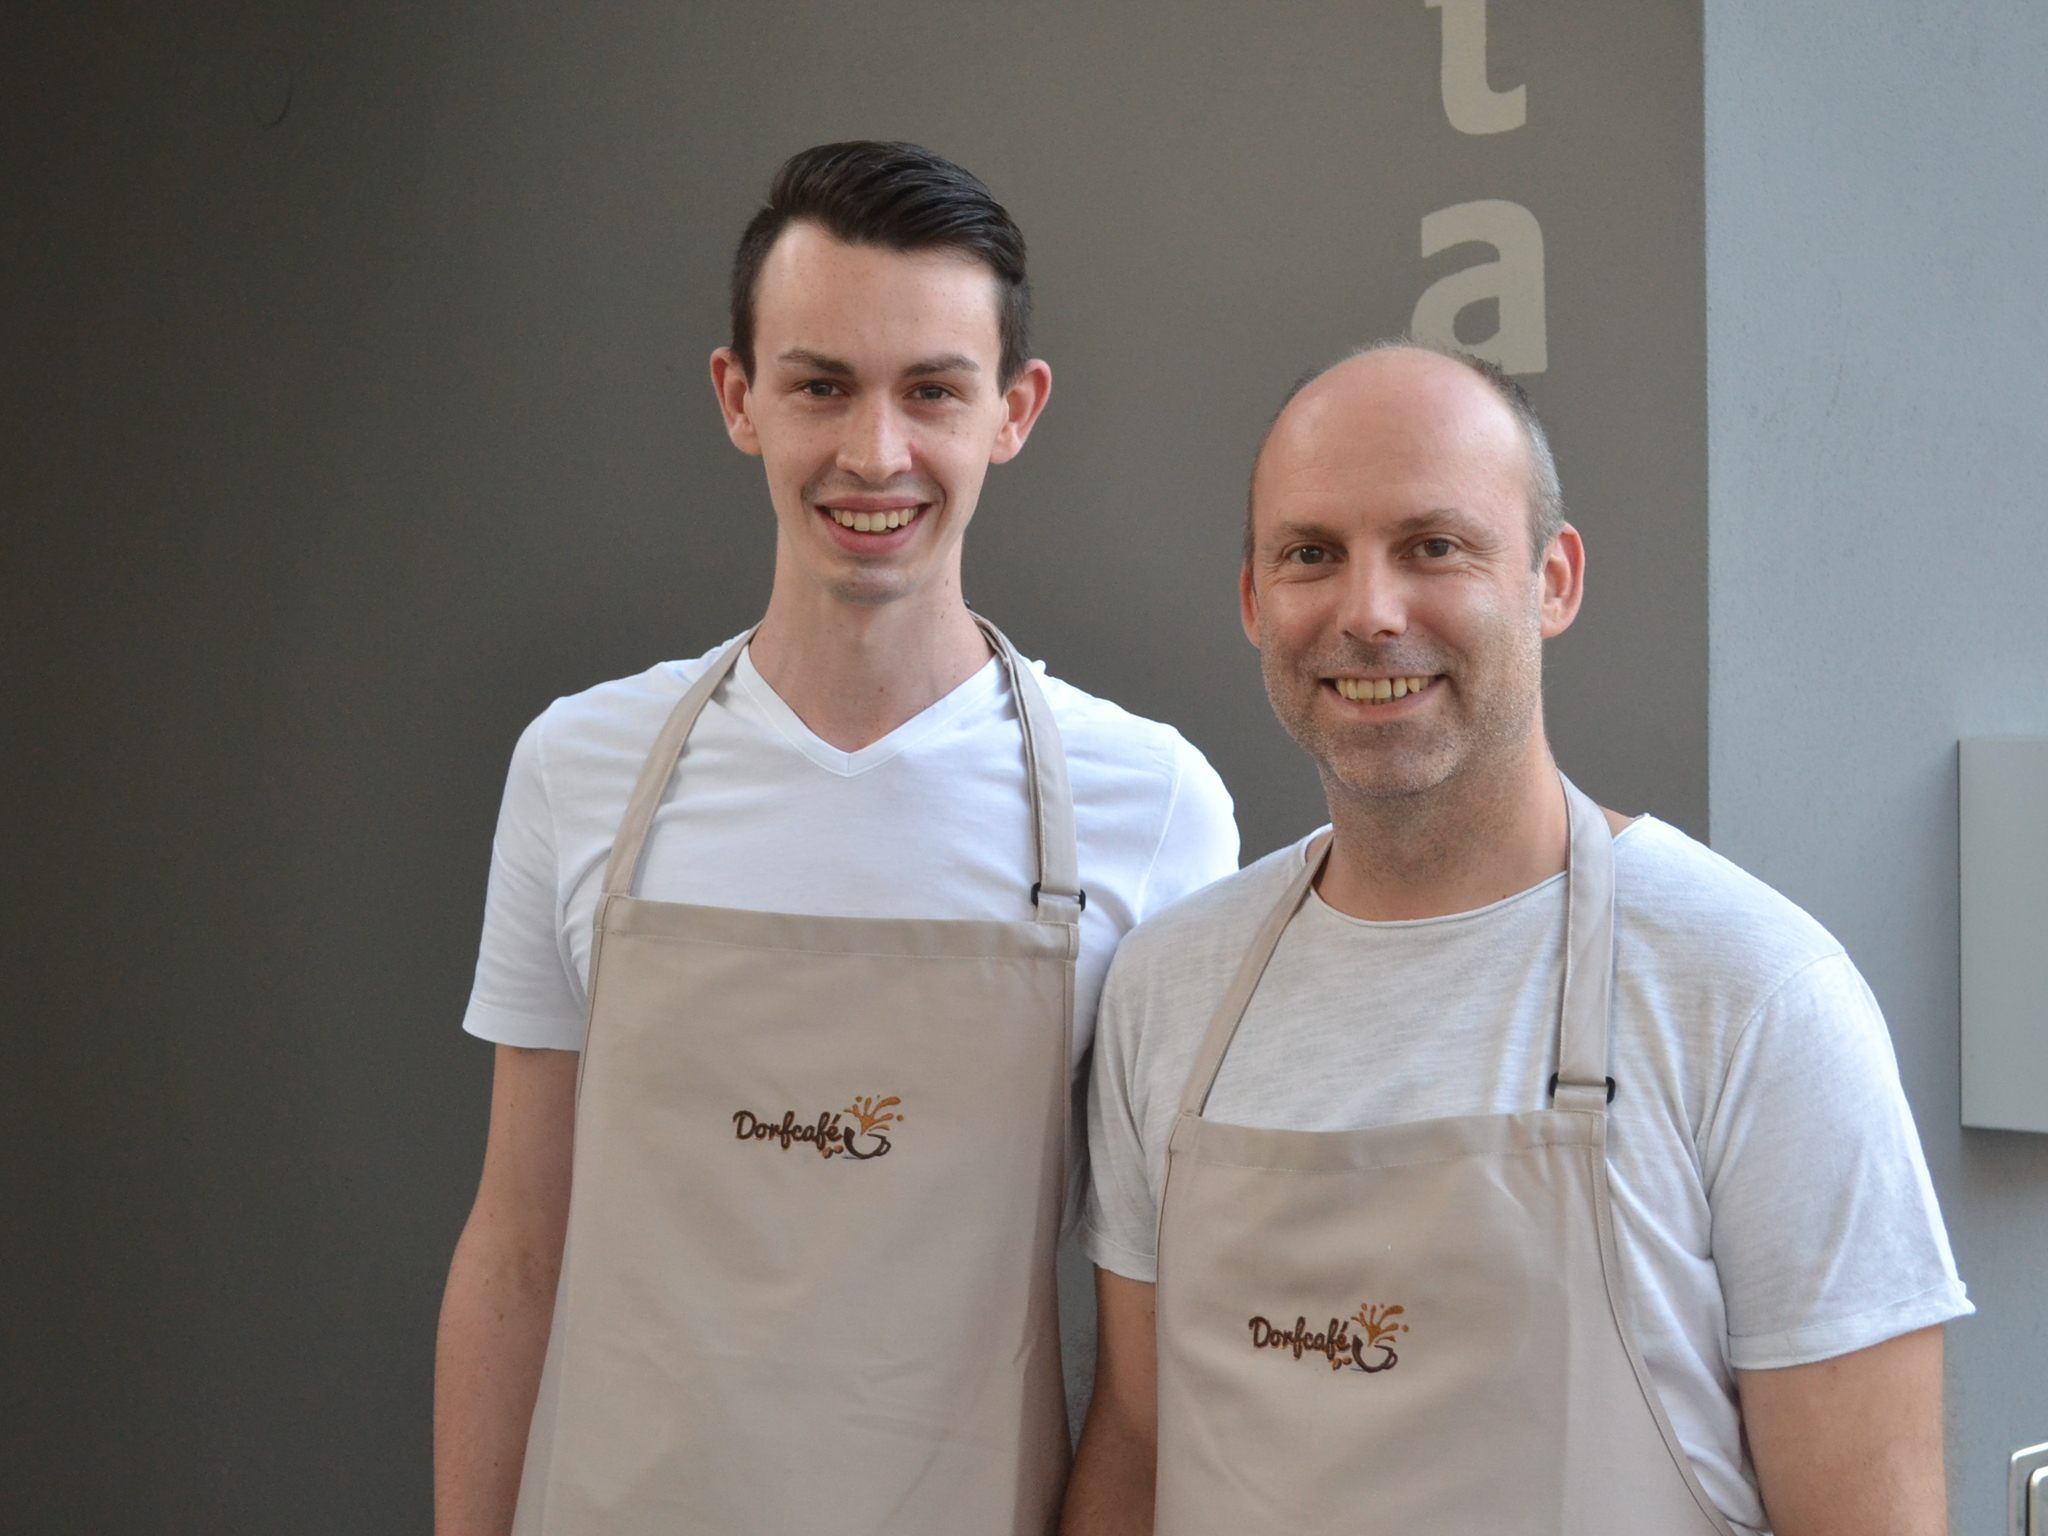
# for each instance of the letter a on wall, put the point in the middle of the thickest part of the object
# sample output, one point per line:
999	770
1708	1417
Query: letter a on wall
1514	282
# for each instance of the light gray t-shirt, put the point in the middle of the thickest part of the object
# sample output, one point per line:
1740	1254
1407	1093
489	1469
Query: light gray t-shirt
1772	1206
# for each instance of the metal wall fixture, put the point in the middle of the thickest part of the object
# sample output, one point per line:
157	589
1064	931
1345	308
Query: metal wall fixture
2003	784
2026	1492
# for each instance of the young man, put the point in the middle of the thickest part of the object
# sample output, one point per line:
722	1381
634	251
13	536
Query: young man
1494	1163
835	899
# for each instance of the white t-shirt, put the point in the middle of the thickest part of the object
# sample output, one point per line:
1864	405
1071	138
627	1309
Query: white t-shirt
1772	1206
933	820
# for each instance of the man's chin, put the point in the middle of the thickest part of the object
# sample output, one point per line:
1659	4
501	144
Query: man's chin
1386	772
876	588
1362	787
867	594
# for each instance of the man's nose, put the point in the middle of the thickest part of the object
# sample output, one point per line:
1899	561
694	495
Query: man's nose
1375	602
876	447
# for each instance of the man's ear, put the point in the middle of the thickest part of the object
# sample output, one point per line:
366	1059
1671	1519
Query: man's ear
1022	401
1563	574
729	382
1248	602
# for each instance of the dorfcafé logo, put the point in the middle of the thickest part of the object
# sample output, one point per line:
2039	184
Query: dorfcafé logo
830	1133
1371	1349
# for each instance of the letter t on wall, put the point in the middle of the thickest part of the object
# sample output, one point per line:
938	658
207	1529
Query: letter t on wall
1469	102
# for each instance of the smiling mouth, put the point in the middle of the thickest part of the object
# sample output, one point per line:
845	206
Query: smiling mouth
887	520
1379	690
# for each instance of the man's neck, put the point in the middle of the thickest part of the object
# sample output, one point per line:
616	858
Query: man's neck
1471	841
854	674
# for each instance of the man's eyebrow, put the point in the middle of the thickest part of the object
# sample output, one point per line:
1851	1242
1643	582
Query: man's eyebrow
817	362
946	362
1452	519
1436	519
1288	532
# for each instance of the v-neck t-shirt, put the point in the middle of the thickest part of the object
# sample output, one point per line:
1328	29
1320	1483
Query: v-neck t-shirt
932	820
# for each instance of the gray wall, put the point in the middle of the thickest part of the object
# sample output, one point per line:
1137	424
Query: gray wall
1877	209
354	408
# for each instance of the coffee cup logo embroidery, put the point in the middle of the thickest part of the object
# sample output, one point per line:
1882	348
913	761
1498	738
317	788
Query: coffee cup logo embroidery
1370	1349
875	1120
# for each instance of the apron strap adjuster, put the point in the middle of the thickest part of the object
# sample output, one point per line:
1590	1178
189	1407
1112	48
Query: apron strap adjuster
1610	1087
1079	898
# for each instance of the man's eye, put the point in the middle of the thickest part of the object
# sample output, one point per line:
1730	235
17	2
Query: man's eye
1308	554
1436	549
931	393
819	389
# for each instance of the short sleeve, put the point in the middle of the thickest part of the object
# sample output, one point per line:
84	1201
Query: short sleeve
1826	1231
1119	1219
1198	843
525	993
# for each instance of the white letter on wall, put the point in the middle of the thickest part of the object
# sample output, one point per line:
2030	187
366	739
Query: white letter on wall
1515	283
1469	102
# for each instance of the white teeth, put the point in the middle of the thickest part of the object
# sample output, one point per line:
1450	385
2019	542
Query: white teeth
1379	690
873	522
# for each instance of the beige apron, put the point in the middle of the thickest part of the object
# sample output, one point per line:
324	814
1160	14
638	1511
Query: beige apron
1416	1327
808	1280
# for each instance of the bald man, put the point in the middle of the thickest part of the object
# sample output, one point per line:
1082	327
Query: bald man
1488	1161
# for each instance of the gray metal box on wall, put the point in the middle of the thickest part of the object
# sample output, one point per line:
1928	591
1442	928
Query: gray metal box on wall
2004	866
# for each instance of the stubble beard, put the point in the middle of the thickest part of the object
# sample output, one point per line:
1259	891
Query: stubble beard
1416	778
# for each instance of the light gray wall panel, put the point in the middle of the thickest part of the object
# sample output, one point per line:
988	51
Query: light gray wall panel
1876	220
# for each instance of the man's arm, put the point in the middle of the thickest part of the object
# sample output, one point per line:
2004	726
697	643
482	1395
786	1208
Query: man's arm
1851	1446
500	1299
1110	1493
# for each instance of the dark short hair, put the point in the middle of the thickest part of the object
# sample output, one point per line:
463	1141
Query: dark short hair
898	196
1546	497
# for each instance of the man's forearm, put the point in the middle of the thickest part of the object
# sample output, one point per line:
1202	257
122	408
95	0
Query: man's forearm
493	1338
1110	1492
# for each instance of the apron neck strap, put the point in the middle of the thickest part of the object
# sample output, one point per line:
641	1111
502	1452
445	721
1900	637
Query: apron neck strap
1230	1012
1581	1081
1057	893
660	767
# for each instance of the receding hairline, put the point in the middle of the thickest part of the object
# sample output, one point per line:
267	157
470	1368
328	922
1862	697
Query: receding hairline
1545	499
1307	381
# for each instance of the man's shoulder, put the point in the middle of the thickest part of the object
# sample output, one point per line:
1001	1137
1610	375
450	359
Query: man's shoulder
1216	921
1096	728
1133	773
621	711
1677	902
